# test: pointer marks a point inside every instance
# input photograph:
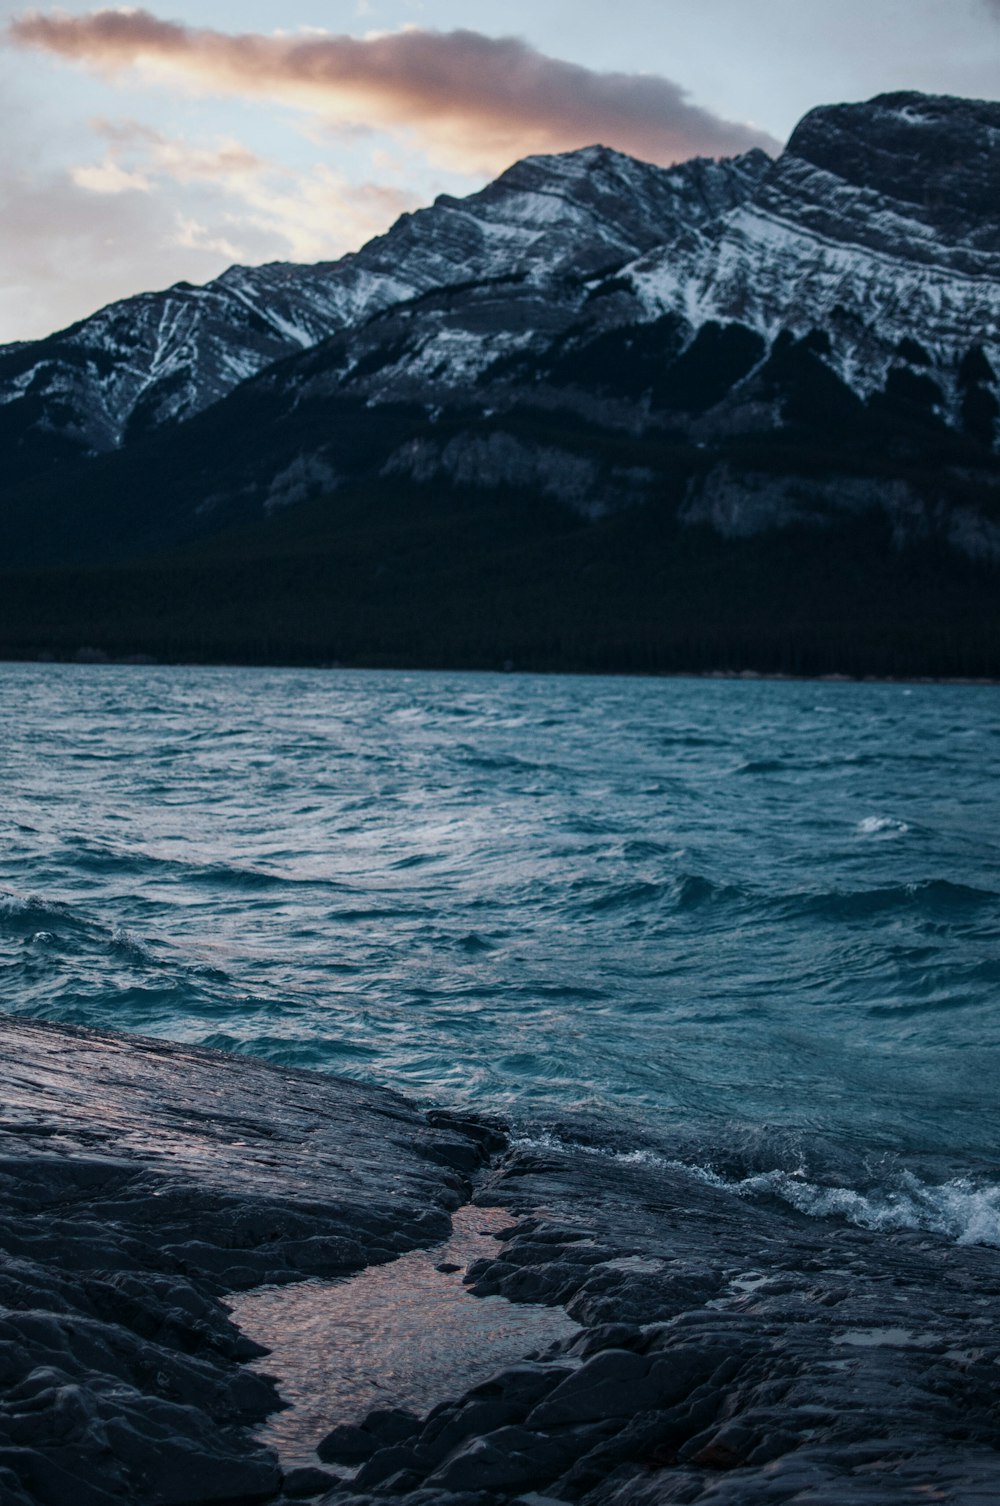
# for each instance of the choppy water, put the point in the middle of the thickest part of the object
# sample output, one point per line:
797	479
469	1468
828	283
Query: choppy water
753	918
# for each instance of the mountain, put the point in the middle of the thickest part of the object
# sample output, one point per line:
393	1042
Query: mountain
160	358
601	414
879	225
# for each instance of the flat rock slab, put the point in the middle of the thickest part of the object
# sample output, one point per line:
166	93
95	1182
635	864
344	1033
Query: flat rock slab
139	1180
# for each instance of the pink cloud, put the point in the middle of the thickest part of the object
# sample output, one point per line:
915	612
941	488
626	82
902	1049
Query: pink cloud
474	102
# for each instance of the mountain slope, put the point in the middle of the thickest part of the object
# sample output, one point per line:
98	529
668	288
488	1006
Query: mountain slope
879	224
160	358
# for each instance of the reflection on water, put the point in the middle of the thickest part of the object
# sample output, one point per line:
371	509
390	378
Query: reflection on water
397	1335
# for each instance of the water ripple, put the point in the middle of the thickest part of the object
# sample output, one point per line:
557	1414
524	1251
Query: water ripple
692	903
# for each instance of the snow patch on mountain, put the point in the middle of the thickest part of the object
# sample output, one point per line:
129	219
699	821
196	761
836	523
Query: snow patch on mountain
304	477
750	503
857	231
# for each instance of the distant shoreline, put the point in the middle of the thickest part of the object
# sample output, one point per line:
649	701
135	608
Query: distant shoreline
92	658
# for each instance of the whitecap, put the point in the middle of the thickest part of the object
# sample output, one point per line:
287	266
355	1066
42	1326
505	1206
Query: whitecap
874	826
131	945
544	1141
19	904
961	1209
31	907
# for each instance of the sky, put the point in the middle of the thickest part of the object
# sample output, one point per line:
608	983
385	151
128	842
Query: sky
150	145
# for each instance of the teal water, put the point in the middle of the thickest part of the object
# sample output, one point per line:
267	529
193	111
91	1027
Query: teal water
756	921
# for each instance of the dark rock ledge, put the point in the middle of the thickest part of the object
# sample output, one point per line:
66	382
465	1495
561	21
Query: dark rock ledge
733	1353
139	1181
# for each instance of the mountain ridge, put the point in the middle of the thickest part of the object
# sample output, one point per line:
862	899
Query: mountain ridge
160	358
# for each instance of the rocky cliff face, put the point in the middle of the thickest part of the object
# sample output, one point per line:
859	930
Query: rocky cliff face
879	225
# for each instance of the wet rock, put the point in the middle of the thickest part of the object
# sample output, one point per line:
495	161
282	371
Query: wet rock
473	1420
523	1386
614	1383
304	1483
11	1491
139	1181
385	1463
486	1276
607	1336
735	1352
346	1444
754	1355
645	1438
487	1466
488	1132
399	1484
391	1425
729	1448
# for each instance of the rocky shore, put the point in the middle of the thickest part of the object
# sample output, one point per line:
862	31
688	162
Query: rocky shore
731	1352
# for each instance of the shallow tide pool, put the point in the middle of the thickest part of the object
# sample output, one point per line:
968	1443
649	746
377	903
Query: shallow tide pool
400	1335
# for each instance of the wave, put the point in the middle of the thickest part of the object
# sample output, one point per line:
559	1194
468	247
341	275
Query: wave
936	898
873	826
474	943
948	1002
129	945
964	1209
499	763
83	938
691	740
375	912
628	897
31	912
686	891
929	896
765	766
639	849
130	862
692	890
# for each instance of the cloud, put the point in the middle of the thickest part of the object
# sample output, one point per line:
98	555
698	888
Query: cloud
474	102
320	214
154	210
108	177
194	236
239	200
70	246
184	163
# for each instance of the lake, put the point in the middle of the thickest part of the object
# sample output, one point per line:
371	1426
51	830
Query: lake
751	925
